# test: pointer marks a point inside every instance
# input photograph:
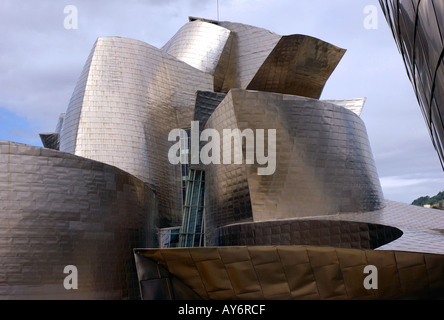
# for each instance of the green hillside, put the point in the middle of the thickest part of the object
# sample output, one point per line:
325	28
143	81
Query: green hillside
436	202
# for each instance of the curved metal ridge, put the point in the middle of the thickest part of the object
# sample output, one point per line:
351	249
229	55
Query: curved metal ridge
287	273
324	163
299	65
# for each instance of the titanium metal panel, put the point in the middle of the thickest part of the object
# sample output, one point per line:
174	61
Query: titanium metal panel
324	163
288	273
57	209
250	47
299	65
203	45
355	105
130	96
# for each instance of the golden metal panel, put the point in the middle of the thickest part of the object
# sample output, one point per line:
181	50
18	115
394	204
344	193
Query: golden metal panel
323	277
299	65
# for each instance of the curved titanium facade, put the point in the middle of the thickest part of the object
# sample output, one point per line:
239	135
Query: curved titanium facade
418	28
324	162
298	65
205	46
332	233
129	97
250	47
286	273
115	189
58	209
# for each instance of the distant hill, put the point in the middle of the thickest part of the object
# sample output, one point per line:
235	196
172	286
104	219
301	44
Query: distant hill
436	202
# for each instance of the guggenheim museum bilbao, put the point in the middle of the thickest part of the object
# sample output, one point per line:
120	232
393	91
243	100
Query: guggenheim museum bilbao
209	169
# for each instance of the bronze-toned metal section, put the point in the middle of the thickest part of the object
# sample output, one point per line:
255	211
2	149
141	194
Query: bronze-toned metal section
299	65
203	45
288	273
128	99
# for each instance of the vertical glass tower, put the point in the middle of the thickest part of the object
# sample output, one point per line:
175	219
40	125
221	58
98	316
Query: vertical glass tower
192	230
185	156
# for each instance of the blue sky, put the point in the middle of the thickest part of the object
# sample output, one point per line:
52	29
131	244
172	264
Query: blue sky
18	129
41	61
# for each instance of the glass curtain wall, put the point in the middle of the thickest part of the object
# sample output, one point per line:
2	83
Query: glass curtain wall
192	233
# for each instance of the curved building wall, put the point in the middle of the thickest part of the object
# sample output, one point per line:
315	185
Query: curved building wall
250	47
202	45
299	65
324	163
355	105
418	28
286	273
68	131
130	96
57	209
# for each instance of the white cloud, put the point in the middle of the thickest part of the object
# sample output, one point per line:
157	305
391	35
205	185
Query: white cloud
402	182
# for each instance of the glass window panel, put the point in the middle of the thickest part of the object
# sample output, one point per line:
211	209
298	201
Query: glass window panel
423	69
197	240
438	6
407	25
439	88
391	19
431	36
193	211
395	16
420	91
415	3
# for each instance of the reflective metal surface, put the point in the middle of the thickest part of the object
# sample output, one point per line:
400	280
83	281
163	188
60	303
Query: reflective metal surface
205	46
286	273
115	189
355	105
50	140
418	29
128	98
299	65
249	48
57	209
324	162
